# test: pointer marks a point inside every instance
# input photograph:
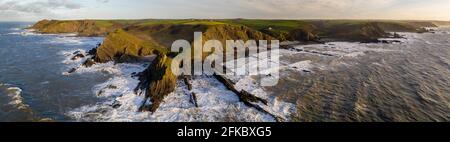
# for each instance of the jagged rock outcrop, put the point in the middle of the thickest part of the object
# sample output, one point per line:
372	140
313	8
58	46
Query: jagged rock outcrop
193	99
156	82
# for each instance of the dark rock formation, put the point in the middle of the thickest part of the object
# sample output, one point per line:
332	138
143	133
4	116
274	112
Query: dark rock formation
72	70
89	62
243	95
189	85
93	51
78	56
156	82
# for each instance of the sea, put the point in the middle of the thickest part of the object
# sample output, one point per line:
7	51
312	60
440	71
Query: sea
407	80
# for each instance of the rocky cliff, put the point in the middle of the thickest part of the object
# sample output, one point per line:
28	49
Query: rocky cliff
121	46
365	31
156	82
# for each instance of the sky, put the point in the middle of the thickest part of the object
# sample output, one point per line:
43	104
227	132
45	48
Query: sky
33	10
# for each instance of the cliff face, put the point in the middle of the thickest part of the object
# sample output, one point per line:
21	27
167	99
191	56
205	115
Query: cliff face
232	32
165	35
421	24
404	26
157	81
365	31
441	23
302	35
348	31
370	32
139	41
81	27
121	46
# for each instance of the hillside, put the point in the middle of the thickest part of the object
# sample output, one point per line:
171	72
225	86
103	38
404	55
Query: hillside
364	31
166	31
81	27
121	46
442	23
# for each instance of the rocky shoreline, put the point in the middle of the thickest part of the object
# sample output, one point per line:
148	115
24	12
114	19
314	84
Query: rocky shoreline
149	43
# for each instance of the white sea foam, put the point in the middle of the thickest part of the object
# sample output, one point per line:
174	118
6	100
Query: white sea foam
69	54
354	54
15	97
251	63
216	103
341	49
24	32
15	29
67	39
275	105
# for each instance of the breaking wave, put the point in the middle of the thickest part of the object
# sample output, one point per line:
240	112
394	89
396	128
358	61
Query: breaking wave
14	95
214	101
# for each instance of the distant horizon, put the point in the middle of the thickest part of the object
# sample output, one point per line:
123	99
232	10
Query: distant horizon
228	19
34	10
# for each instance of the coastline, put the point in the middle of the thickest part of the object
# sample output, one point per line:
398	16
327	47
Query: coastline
135	107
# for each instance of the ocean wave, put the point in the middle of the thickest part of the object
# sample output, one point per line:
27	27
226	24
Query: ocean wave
15	29
215	102
341	49
24	32
66	40
15	97
70	54
275	105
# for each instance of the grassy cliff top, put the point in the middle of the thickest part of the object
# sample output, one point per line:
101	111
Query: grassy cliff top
133	36
274	28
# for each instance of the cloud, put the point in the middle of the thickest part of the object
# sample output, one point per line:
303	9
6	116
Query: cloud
313	9
103	1
305	8
273	8
36	7
270	9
